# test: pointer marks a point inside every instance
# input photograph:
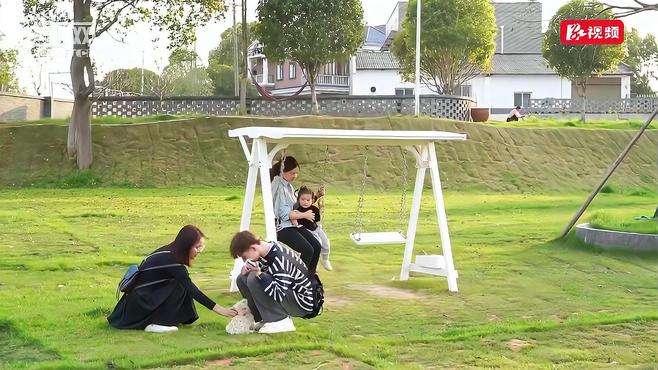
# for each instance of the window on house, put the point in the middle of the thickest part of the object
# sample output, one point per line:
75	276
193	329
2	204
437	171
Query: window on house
522	99
404	92
279	72
292	72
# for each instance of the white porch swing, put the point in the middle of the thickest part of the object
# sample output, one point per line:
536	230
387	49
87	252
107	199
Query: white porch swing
420	143
359	236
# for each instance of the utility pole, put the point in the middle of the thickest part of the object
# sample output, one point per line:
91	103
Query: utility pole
243	80
236	60
417	92
142	90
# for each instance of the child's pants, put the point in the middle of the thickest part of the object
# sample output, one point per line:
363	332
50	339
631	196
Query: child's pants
324	241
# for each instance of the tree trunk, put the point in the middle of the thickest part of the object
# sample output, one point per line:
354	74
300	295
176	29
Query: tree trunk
79	135
583	87
315	108
245	46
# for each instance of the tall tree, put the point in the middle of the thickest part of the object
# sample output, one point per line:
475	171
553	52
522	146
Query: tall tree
310	32
130	80
223	53
642	59
457	42
8	64
93	18
220	62
579	63
188	79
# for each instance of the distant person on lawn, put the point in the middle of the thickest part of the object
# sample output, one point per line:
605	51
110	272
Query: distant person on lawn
163	294
515	114
274	281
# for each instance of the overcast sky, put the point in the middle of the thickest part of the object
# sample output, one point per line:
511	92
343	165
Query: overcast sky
110	54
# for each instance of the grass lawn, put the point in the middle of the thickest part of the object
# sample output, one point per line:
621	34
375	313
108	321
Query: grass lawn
610	124
608	221
524	301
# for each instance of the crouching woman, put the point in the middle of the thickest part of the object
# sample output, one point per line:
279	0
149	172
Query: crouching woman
163	293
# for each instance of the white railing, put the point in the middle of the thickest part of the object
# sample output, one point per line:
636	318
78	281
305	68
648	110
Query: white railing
334	80
261	79
629	105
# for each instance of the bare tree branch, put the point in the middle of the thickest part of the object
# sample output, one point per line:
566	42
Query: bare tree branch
627	10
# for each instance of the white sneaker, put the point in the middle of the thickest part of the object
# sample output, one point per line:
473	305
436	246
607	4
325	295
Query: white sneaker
280	326
327	264
154	328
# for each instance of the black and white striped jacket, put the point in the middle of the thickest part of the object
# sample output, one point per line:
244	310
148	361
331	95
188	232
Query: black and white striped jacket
283	273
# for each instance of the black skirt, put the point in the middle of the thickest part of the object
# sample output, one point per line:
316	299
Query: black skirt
168	304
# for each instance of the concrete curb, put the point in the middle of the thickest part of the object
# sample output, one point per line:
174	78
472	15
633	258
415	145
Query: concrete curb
617	240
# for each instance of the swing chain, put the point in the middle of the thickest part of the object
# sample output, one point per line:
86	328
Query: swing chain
358	219
403	200
324	172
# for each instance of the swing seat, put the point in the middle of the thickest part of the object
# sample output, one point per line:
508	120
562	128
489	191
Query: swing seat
392	237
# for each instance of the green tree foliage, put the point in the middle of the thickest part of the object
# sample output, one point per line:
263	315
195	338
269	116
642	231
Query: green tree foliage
457	42
220	63
642	59
310	32
182	77
578	63
130	80
8	64
223	53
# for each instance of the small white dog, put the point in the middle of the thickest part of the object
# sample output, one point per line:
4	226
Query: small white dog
243	322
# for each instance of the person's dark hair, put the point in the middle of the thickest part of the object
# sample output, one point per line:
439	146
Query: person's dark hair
304	190
241	242
289	164
187	237
518	107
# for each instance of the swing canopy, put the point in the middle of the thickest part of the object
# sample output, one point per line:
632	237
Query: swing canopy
420	143
293	135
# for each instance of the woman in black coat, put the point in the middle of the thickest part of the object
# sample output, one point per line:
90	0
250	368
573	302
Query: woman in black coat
163	293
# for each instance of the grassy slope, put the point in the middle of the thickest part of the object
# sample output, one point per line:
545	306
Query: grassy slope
63	251
198	152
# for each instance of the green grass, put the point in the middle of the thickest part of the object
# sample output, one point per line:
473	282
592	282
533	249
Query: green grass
109	120
610	124
557	303
607	221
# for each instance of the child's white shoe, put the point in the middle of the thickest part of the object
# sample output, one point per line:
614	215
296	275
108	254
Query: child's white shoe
280	326
154	328
327	264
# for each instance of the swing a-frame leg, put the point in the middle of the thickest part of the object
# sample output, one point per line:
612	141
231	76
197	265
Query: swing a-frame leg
441	265
260	161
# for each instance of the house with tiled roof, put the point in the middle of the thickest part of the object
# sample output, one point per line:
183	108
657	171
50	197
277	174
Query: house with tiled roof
518	71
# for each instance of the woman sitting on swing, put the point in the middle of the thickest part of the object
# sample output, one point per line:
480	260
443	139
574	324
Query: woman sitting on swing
282	174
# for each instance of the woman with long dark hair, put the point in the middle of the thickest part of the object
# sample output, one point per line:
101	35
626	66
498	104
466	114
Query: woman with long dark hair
163	294
282	174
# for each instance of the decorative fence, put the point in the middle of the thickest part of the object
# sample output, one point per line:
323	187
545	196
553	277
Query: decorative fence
452	107
631	105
